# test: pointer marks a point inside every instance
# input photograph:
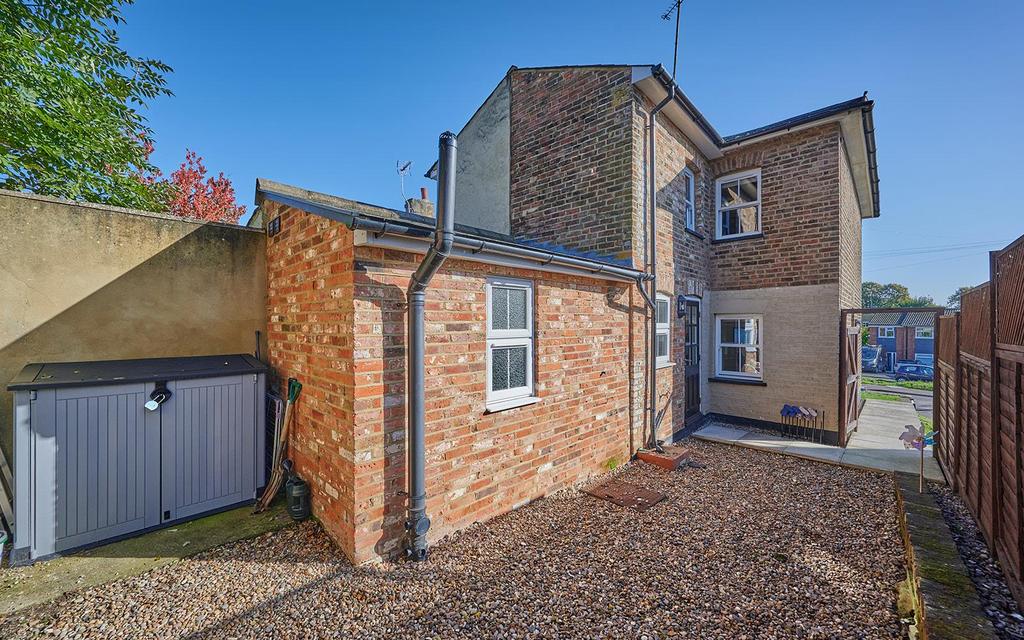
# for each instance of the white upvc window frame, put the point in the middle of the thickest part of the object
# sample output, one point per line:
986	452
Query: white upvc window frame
918	336
886	332
690	205
663	328
719	345
499	338
719	209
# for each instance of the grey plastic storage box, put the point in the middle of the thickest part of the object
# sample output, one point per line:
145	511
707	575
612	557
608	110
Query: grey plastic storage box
93	463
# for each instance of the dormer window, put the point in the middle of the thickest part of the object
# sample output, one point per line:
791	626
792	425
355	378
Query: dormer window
738	205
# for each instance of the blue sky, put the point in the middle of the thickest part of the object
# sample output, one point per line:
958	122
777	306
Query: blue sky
329	95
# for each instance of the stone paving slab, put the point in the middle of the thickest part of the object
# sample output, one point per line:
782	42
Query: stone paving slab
875	444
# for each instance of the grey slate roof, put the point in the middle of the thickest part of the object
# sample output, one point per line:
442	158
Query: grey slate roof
908	318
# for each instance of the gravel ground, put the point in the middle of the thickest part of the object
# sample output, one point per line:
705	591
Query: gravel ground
988	578
755	545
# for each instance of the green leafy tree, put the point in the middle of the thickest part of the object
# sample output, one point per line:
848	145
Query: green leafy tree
920	301
874	294
953	302
69	99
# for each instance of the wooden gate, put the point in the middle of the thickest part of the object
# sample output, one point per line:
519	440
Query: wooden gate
849	374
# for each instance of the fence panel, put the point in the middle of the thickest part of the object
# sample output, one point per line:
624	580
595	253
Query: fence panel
979	407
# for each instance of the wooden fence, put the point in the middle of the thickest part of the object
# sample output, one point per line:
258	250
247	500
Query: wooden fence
979	406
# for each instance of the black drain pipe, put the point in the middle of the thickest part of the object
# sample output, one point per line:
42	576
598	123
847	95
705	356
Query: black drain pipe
652	258
417	523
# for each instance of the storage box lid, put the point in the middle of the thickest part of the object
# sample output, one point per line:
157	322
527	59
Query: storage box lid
83	374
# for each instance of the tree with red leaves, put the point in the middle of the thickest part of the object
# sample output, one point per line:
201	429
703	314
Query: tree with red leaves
193	195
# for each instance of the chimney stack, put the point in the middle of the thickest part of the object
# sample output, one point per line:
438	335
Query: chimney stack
423	206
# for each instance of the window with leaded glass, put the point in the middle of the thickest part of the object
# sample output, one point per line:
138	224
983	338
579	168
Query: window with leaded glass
509	340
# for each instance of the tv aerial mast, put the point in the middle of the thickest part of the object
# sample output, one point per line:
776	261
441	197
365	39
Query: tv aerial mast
403	167
676	8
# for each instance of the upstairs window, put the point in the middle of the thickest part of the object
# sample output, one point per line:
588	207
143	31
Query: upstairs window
509	340
688	200
887	332
738	346
925	333
738	205
661	336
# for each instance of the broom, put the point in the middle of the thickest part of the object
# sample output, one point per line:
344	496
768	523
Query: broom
280	444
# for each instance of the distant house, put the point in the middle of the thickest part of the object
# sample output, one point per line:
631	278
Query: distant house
905	335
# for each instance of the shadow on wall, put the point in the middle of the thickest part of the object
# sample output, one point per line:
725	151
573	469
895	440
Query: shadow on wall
84	282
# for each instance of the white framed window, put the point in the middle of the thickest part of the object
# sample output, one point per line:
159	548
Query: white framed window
509	341
925	333
663	336
738	346
689	210
886	332
738	205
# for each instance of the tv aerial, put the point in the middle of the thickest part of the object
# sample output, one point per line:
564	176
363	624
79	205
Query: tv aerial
403	167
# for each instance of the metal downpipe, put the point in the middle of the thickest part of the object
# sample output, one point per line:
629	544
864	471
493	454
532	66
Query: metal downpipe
652	259
417	523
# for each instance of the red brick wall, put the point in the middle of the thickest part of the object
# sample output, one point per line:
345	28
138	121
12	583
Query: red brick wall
571	158
684	258
800	206
309	337
482	464
337	323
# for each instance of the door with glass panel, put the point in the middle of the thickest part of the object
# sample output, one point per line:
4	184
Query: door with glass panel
692	355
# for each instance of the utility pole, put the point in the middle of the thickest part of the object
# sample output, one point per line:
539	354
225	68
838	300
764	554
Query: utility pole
676	8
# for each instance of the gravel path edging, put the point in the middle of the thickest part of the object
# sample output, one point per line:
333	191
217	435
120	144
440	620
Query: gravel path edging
983	566
946	603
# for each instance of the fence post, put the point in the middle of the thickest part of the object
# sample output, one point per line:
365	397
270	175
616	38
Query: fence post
957	420
994	413
938	448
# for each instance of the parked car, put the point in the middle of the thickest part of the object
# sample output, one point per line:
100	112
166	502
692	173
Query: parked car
872	358
906	372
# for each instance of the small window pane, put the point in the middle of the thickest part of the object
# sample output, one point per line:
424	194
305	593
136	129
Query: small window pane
662	311
691	221
747	219
748	189
516	367
688	187
729	193
730	223
516	308
499	308
745	360
661	345
499	369
740	331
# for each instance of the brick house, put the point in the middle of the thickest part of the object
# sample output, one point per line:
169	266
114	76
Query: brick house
537	326
908	335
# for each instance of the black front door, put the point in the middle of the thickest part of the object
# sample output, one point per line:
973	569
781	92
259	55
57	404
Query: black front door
692	372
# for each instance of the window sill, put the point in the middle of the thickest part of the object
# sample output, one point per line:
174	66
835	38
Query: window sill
665	365
746	236
749	383
696	234
512	403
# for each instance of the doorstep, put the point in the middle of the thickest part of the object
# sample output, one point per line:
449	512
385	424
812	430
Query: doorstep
674	457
